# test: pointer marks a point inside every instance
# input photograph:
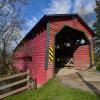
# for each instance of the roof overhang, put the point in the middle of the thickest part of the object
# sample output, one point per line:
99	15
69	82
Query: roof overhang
46	18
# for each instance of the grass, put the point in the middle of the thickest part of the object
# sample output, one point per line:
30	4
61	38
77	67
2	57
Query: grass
53	90
97	61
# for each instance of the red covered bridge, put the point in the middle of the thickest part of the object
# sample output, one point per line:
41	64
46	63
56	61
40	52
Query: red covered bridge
55	41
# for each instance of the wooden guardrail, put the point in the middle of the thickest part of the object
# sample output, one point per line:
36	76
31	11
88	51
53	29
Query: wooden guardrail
12	84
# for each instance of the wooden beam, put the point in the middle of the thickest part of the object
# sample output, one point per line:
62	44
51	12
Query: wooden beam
13	84
13	76
13	92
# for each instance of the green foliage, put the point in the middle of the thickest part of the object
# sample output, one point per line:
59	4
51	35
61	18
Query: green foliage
97	62
97	24
98	67
53	90
97	27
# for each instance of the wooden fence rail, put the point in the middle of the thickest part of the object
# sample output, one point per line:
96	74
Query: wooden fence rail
3	88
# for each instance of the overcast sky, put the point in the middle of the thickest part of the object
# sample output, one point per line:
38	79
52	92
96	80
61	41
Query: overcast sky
37	8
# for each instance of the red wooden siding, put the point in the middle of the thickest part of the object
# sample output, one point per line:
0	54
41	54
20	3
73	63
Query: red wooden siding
38	58
57	24
22	64
32	54
82	57
35	48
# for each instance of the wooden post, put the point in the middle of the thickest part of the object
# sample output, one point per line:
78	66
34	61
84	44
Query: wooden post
28	77
92	52
33	84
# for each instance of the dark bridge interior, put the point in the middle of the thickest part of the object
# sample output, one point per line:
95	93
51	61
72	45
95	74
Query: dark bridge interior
67	41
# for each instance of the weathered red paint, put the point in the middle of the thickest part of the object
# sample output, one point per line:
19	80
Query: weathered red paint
57	24
81	57
34	48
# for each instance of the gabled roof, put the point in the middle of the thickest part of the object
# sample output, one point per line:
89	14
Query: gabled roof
45	19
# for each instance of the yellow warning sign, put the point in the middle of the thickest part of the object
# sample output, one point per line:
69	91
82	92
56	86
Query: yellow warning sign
51	54
92	56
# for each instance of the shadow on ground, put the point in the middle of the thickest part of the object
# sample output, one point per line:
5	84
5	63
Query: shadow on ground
90	86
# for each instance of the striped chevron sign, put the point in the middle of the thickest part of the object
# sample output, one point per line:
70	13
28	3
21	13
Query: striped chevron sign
92	56
51	54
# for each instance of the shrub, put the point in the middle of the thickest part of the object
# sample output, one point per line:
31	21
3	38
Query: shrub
97	62
98	66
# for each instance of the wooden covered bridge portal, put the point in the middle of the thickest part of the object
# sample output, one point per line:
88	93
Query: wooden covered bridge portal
67	40
55	41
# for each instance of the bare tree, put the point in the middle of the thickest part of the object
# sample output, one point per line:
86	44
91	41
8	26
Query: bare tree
11	22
